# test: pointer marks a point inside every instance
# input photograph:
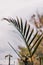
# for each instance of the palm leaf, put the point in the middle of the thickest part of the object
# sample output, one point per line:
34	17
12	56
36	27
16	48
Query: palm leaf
25	27
38	42
11	21
33	39
27	31
19	29
24	34
21	26
17	52
14	49
30	35
18	22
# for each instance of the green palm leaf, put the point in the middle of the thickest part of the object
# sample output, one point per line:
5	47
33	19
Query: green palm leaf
18	22
19	26
30	35
27	31
38	42
25	27
14	49
33	39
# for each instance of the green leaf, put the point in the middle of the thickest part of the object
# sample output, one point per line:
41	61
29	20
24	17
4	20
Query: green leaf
30	35
11	21
18	22
21	26
35	42
33	39
38	42
27	31
25	27
25	34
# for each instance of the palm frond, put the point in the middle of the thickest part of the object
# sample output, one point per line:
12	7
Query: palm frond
35	42
19	26
33	39
38	42
25	27
14	49
27	31
30	35
18	23
16	52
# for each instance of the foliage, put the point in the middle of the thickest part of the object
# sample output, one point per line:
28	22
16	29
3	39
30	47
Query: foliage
23	51
24	31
